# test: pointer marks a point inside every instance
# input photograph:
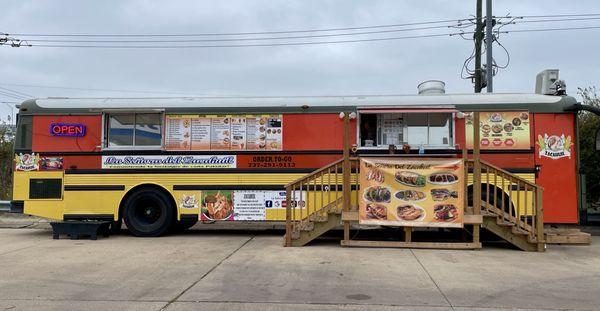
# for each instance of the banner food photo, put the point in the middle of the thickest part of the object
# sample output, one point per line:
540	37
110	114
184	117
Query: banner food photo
411	192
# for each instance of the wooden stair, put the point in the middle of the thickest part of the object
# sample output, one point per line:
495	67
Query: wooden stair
507	231
312	230
315	206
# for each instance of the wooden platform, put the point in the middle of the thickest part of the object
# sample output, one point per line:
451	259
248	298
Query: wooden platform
567	236
399	244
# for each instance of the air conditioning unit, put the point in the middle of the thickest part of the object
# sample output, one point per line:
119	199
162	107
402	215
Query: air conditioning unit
547	83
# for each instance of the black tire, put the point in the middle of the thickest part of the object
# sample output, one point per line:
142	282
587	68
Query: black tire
184	224
115	226
148	212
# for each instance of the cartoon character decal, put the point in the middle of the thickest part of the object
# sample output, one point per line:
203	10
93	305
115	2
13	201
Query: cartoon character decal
27	162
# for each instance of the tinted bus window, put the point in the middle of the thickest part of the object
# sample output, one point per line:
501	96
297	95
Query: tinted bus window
120	130
24	133
147	129
134	130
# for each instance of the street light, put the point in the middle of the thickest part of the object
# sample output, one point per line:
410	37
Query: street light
12	112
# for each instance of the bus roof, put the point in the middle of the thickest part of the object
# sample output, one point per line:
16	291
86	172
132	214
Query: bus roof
268	104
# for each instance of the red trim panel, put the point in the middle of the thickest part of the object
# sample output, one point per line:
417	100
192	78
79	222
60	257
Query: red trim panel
558	173
43	141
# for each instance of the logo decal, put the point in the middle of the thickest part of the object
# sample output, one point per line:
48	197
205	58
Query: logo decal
51	163
189	201
27	162
554	146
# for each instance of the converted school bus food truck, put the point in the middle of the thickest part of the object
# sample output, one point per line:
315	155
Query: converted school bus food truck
156	163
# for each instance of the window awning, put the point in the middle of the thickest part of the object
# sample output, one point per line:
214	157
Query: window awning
408	110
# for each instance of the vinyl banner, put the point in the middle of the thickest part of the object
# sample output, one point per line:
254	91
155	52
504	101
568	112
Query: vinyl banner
411	192
167	161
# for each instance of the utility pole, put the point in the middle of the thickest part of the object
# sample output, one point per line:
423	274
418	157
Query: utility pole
489	68
478	37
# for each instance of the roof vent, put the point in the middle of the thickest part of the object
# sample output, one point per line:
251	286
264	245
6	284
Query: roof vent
432	87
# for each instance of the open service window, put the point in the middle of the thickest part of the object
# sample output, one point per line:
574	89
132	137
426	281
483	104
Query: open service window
133	130
432	130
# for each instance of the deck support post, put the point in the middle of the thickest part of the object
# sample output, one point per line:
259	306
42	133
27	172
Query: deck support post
539	221
288	217
346	183
476	173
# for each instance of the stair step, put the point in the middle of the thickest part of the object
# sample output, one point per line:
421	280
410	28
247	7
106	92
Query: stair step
516	230
309	226
504	223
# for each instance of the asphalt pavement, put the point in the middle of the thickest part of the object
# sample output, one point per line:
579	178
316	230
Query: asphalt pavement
250	270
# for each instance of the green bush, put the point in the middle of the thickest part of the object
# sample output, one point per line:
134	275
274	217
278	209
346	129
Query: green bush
6	161
589	124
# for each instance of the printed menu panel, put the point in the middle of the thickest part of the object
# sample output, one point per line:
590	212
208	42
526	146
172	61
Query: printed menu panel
501	130
411	192
177	132
218	132
238	205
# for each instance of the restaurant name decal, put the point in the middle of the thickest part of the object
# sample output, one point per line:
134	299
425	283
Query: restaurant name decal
554	146
67	129
411	192
167	161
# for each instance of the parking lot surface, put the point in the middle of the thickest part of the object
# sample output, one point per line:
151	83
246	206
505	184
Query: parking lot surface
213	270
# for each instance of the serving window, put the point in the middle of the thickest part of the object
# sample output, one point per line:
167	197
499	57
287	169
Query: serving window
430	130
133	130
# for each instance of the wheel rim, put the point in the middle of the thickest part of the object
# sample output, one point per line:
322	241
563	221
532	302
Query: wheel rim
147	212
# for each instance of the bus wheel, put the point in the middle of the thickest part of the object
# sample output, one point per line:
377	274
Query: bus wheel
148	213
184	224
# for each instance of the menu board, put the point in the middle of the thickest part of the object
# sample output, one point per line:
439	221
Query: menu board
501	130
224	132
249	205
178	133
411	192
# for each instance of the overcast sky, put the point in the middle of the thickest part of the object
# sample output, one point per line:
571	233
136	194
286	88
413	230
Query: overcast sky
385	67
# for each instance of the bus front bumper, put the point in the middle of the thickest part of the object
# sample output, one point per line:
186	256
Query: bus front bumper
16	207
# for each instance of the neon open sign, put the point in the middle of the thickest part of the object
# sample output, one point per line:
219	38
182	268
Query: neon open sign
67	129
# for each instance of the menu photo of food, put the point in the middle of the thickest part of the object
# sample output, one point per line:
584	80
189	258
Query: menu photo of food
273	133
501	130
216	205
411	192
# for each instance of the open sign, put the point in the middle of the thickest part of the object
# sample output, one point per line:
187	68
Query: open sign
67	129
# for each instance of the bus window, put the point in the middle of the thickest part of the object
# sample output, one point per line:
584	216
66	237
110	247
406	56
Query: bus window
24	133
134	130
147	129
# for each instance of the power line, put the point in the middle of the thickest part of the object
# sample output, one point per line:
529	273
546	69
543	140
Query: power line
98	90
5	94
17	92
551	29
241	39
233	33
555	20
245	45
560	15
